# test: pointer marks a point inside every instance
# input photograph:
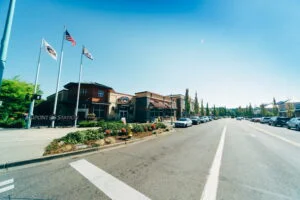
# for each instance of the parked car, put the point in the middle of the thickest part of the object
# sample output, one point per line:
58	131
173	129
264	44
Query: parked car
196	120
202	119
294	123
206	119
265	120
239	118
183	122
278	121
256	119
210	118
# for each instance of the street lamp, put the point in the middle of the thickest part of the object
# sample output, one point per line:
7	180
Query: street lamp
172	110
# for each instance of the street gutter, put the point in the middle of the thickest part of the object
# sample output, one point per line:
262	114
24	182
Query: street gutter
87	150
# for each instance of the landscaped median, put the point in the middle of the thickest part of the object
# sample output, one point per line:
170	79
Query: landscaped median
108	133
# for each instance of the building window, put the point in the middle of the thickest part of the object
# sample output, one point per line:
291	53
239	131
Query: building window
83	91
100	93
99	111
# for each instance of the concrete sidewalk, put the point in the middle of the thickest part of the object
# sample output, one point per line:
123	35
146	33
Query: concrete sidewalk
23	144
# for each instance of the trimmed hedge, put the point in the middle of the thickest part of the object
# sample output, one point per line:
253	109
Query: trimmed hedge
19	123
88	124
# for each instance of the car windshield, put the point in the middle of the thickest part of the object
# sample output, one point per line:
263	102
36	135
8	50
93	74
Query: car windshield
149	99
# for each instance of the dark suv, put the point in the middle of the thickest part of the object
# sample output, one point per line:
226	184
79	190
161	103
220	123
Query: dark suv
196	120
278	121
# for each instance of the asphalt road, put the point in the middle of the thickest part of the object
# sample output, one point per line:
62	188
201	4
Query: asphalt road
252	161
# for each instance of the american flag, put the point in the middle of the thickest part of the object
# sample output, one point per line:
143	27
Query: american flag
69	38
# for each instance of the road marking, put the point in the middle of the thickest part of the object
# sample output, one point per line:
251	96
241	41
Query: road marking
9	181
276	136
111	186
211	186
7	188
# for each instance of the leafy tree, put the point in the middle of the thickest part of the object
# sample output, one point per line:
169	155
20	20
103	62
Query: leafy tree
221	111
275	108
196	107
13	94
290	109
239	111
214	111
207	110
202	108
263	110
247	113
251	113
187	102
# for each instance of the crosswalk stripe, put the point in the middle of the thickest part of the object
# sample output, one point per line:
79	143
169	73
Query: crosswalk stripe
9	181
111	186
7	188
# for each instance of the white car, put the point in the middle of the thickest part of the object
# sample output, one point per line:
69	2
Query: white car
183	122
204	119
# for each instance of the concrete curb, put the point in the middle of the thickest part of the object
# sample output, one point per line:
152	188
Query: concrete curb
56	156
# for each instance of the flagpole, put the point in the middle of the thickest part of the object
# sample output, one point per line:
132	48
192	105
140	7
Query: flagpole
58	77
31	108
6	37
78	90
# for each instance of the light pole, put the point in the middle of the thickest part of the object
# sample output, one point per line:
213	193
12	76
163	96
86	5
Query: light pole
6	36
172	110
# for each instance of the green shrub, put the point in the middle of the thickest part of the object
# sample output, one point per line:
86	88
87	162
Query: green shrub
88	124
160	125
74	137
137	128
101	136
147	127
91	134
102	124
114	132
19	123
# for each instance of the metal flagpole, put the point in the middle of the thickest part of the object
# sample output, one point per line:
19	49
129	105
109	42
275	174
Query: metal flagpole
6	36
30	114
78	90
58	77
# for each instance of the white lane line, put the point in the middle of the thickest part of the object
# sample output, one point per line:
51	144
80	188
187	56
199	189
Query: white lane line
276	136
7	188
9	181
111	186
211	186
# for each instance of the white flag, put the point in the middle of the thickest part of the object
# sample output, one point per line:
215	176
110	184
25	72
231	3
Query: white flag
50	50
87	53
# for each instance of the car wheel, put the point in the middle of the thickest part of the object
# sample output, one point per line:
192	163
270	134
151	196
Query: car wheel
185	126
288	127
298	127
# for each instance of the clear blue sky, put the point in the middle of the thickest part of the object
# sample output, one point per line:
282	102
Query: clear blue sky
232	52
